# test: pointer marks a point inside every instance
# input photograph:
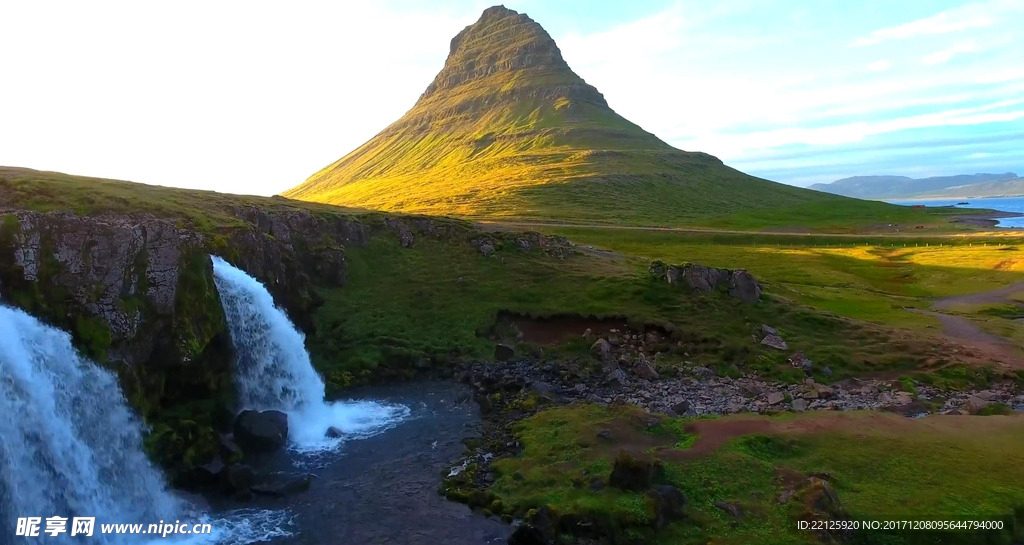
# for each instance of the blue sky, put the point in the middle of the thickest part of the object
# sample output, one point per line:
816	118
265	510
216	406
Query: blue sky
252	97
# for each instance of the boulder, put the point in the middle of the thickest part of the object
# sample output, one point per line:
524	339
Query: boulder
774	398
799	405
643	369
631	473
261	431
681	408
202	476
504	352
239	477
537	529
669	502
701	278
601	347
281	484
774	341
744	287
768	330
333	433
486	249
617	376
976	403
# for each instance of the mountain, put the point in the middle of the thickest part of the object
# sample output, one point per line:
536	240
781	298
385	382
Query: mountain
902	187
508	130
1013	187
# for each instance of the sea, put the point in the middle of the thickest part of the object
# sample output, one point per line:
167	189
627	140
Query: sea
1004	204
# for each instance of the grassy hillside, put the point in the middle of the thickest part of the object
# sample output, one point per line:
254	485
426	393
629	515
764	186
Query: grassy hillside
508	130
882	467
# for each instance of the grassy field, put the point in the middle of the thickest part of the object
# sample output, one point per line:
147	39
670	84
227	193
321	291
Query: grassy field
882	466
861	278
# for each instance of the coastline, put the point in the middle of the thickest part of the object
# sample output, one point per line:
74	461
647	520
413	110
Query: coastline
989	220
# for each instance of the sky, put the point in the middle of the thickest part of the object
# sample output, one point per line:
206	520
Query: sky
254	96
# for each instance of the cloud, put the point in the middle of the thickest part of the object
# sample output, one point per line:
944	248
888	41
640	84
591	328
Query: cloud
879	66
945	55
968	16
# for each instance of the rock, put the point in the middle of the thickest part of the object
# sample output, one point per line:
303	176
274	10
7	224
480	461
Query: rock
774	341
605	434
229	450
203	476
681	408
281	484
987	395
587	333
703	372
617	376
486	249
673	274
812	394
976	403
264	431
732	508
657	270
774	398
769	330
669	502
744	287
601	347
504	352
799	405
537	529
631	473
333	433
800	361
239	477
643	369
827	371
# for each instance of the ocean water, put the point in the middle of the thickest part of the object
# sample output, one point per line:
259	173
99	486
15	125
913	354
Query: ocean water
1005	204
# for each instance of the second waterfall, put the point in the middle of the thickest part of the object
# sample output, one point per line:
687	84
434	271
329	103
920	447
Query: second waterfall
274	371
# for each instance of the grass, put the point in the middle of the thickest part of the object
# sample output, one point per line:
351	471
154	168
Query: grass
207	211
439	300
883	467
870	279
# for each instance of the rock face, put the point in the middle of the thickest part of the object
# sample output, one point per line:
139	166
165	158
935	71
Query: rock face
702	279
265	431
631	473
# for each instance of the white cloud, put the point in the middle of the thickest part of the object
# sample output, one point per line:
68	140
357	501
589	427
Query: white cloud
976	15
879	66
945	55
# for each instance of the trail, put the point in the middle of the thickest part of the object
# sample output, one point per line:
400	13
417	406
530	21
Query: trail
957	327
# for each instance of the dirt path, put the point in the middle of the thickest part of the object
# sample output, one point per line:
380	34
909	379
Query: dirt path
1001	295
994	347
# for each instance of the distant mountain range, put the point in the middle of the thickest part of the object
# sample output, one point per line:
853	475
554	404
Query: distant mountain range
1007	184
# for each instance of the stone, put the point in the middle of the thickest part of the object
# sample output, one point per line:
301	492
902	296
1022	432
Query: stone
632	473
587	333
203	476
618	376
486	249
239	477
333	433
504	352
987	395
774	398
281	484
261	431
812	394
769	330
604	434
774	341
976	403
669	503
601	347
643	369
681	408
744	287
799	405
827	371
732	508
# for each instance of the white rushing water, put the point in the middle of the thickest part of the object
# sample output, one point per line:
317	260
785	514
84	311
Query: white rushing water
273	369
71	447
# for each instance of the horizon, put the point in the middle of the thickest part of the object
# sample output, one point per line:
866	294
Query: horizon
166	97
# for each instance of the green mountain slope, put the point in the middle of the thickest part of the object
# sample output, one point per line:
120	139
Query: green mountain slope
508	130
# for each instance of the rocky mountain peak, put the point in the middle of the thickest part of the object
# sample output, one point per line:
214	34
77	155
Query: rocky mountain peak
504	46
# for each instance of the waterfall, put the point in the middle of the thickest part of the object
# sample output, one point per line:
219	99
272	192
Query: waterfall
273	369
71	447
